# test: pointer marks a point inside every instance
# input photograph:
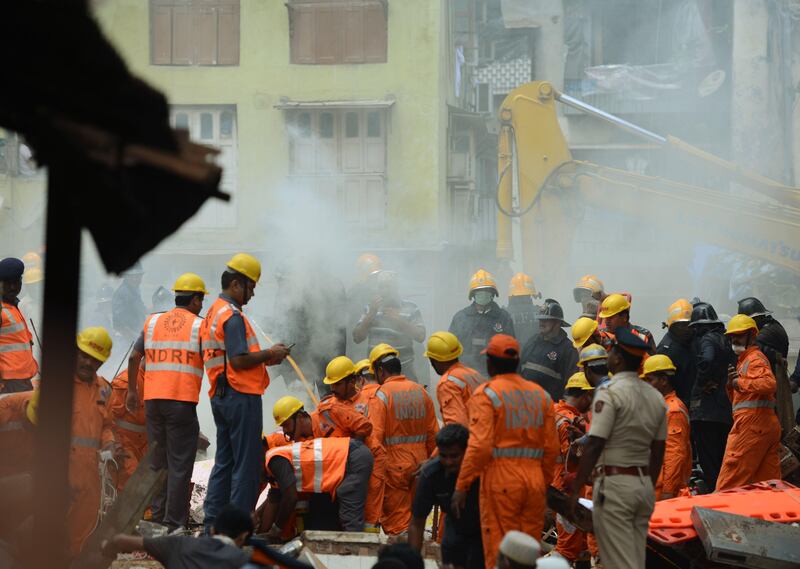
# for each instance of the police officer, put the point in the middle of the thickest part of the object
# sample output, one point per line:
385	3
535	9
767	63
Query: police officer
625	450
549	358
523	311
475	325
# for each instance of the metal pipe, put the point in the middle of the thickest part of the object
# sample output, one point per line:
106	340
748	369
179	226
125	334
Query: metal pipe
609	118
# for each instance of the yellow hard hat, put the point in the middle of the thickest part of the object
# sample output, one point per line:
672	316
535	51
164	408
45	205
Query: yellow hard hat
284	408
338	369
96	342
614	304
189	282
443	347
592	352
368	264
363	365
741	323
32	275
582	331
679	311
521	285
482	279
578	381
658	362
32	411
589	282
380	351
247	265
32	259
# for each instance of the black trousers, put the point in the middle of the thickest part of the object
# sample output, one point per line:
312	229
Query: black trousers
710	438
352	492
174	427
16	385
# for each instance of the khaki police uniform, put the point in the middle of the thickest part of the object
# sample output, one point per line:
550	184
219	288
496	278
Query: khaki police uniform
629	414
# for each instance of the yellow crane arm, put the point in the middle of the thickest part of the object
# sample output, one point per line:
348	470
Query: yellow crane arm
533	151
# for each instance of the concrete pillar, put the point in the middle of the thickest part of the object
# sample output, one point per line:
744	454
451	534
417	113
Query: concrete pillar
756	115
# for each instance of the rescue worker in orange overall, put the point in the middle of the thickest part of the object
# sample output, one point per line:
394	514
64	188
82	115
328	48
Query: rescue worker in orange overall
616	310
338	466
170	345
336	414
367	385
659	371
18	419
513	446
237	373
570	414
17	364
91	432
457	380
751	454
129	427
404	422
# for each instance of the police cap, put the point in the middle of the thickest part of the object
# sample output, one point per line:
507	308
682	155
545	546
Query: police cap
630	342
11	269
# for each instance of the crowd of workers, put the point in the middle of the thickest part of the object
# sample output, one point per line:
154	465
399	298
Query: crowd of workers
601	414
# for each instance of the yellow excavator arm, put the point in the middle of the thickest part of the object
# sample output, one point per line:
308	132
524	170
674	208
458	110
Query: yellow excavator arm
533	152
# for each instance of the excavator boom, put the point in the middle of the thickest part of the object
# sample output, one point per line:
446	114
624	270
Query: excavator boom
533	151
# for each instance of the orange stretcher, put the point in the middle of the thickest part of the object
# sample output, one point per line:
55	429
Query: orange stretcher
771	500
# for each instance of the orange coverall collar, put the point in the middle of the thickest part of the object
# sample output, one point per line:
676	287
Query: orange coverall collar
395	378
747	352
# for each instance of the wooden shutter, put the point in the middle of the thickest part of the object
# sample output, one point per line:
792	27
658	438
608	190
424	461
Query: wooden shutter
182	27
228	23
205	35
352	141
353	20
302	33
375	33
160	35
328	34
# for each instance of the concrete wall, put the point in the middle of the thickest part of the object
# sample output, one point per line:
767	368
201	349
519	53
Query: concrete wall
416	127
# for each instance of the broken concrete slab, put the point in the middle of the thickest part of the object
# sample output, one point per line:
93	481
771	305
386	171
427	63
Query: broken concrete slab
743	541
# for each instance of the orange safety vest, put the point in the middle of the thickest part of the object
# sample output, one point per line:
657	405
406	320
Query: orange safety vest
336	418
16	354
757	385
319	464
253	380
173	356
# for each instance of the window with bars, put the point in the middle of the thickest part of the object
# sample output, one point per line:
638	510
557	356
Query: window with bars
213	126
329	32
194	32
342	152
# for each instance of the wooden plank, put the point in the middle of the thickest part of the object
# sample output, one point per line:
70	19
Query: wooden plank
124	514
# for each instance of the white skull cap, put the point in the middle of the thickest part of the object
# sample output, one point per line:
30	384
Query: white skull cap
552	562
520	547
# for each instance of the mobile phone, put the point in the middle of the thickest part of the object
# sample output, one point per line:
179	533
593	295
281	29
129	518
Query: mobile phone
290	346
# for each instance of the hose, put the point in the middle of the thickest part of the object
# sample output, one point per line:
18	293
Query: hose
294	365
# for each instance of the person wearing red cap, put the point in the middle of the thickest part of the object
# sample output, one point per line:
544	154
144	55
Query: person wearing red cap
513	445
626	445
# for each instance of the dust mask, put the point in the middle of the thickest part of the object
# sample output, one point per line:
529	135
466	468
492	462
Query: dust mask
483	297
738	350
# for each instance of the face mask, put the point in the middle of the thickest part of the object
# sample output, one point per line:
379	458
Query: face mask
483	297
738	349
